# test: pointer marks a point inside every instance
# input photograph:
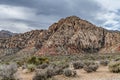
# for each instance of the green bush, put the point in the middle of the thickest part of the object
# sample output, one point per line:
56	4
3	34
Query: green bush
114	67
33	60
37	60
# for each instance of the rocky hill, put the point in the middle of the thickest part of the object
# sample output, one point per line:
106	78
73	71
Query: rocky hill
67	36
6	34
74	35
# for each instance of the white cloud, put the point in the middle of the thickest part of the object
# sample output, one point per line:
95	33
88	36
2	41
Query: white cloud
109	17
12	12
27	19
109	14
44	13
23	13
14	26
110	4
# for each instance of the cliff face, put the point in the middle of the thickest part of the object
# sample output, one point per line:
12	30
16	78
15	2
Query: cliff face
74	35
67	36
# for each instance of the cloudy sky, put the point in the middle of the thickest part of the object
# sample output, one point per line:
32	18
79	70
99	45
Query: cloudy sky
25	15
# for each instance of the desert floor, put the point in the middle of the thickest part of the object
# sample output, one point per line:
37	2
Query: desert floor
101	74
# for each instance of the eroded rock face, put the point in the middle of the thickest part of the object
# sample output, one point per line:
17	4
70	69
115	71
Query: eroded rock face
74	35
28	39
33	39
67	36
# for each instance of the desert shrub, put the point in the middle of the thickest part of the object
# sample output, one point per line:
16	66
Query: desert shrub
90	66
44	74
42	66
7	71
104	62
43	59
114	67
52	65
19	63
117	59
78	65
37	60
69	73
50	72
31	67
33	60
87	63
40	75
58	71
61	63
63	66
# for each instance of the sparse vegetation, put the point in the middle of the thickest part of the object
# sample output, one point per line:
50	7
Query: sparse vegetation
69	73
78	65
104	62
37	60
114	67
117	59
31	67
90	67
56	66
44	74
50	72
58	70
7	71
40	75
42	66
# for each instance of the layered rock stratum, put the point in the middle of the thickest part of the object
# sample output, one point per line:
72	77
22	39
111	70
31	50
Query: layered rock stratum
67	36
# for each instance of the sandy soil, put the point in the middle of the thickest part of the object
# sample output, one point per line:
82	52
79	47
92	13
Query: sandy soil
21	75
101	74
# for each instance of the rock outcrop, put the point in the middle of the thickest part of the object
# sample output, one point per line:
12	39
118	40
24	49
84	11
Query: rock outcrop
67	36
6	34
74	35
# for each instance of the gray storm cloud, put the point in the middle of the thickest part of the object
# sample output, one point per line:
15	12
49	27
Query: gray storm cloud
24	15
